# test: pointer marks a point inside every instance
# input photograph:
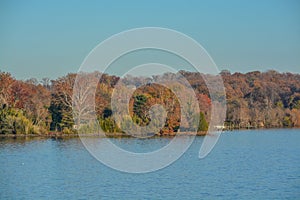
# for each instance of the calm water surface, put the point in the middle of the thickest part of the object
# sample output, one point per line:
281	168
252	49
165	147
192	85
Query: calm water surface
260	164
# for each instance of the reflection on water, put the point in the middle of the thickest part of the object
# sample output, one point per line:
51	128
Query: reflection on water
246	164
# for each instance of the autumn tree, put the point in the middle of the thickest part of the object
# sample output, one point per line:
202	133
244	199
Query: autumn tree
61	103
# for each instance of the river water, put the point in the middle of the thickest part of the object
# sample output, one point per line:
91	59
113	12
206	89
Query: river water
254	164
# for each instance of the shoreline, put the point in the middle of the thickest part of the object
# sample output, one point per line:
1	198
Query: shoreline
107	135
58	135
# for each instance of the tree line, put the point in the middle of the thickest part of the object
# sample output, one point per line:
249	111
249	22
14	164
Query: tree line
254	100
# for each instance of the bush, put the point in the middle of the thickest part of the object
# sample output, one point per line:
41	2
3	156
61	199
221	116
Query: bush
67	130
13	121
287	121
109	125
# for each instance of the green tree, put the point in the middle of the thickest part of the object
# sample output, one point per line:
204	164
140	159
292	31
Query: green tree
13	121
203	125
140	110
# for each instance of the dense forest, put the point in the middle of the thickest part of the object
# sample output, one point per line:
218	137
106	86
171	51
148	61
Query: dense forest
254	100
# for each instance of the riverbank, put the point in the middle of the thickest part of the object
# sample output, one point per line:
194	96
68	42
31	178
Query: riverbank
109	135
59	135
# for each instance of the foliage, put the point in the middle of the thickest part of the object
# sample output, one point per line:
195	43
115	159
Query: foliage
108	125
203	125
13	121
255	99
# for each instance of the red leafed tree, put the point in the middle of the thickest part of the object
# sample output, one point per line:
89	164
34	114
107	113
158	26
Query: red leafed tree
204	102
6	82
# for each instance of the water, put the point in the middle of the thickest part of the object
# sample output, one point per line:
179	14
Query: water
260	164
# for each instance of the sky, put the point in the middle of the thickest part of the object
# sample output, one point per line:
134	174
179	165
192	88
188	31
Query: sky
52	38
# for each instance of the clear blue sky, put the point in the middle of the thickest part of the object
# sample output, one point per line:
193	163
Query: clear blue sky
51	38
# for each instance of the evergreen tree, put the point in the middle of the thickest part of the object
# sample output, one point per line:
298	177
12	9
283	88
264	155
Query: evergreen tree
203	125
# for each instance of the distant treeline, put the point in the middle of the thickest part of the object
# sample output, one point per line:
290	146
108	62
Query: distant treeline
254	100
